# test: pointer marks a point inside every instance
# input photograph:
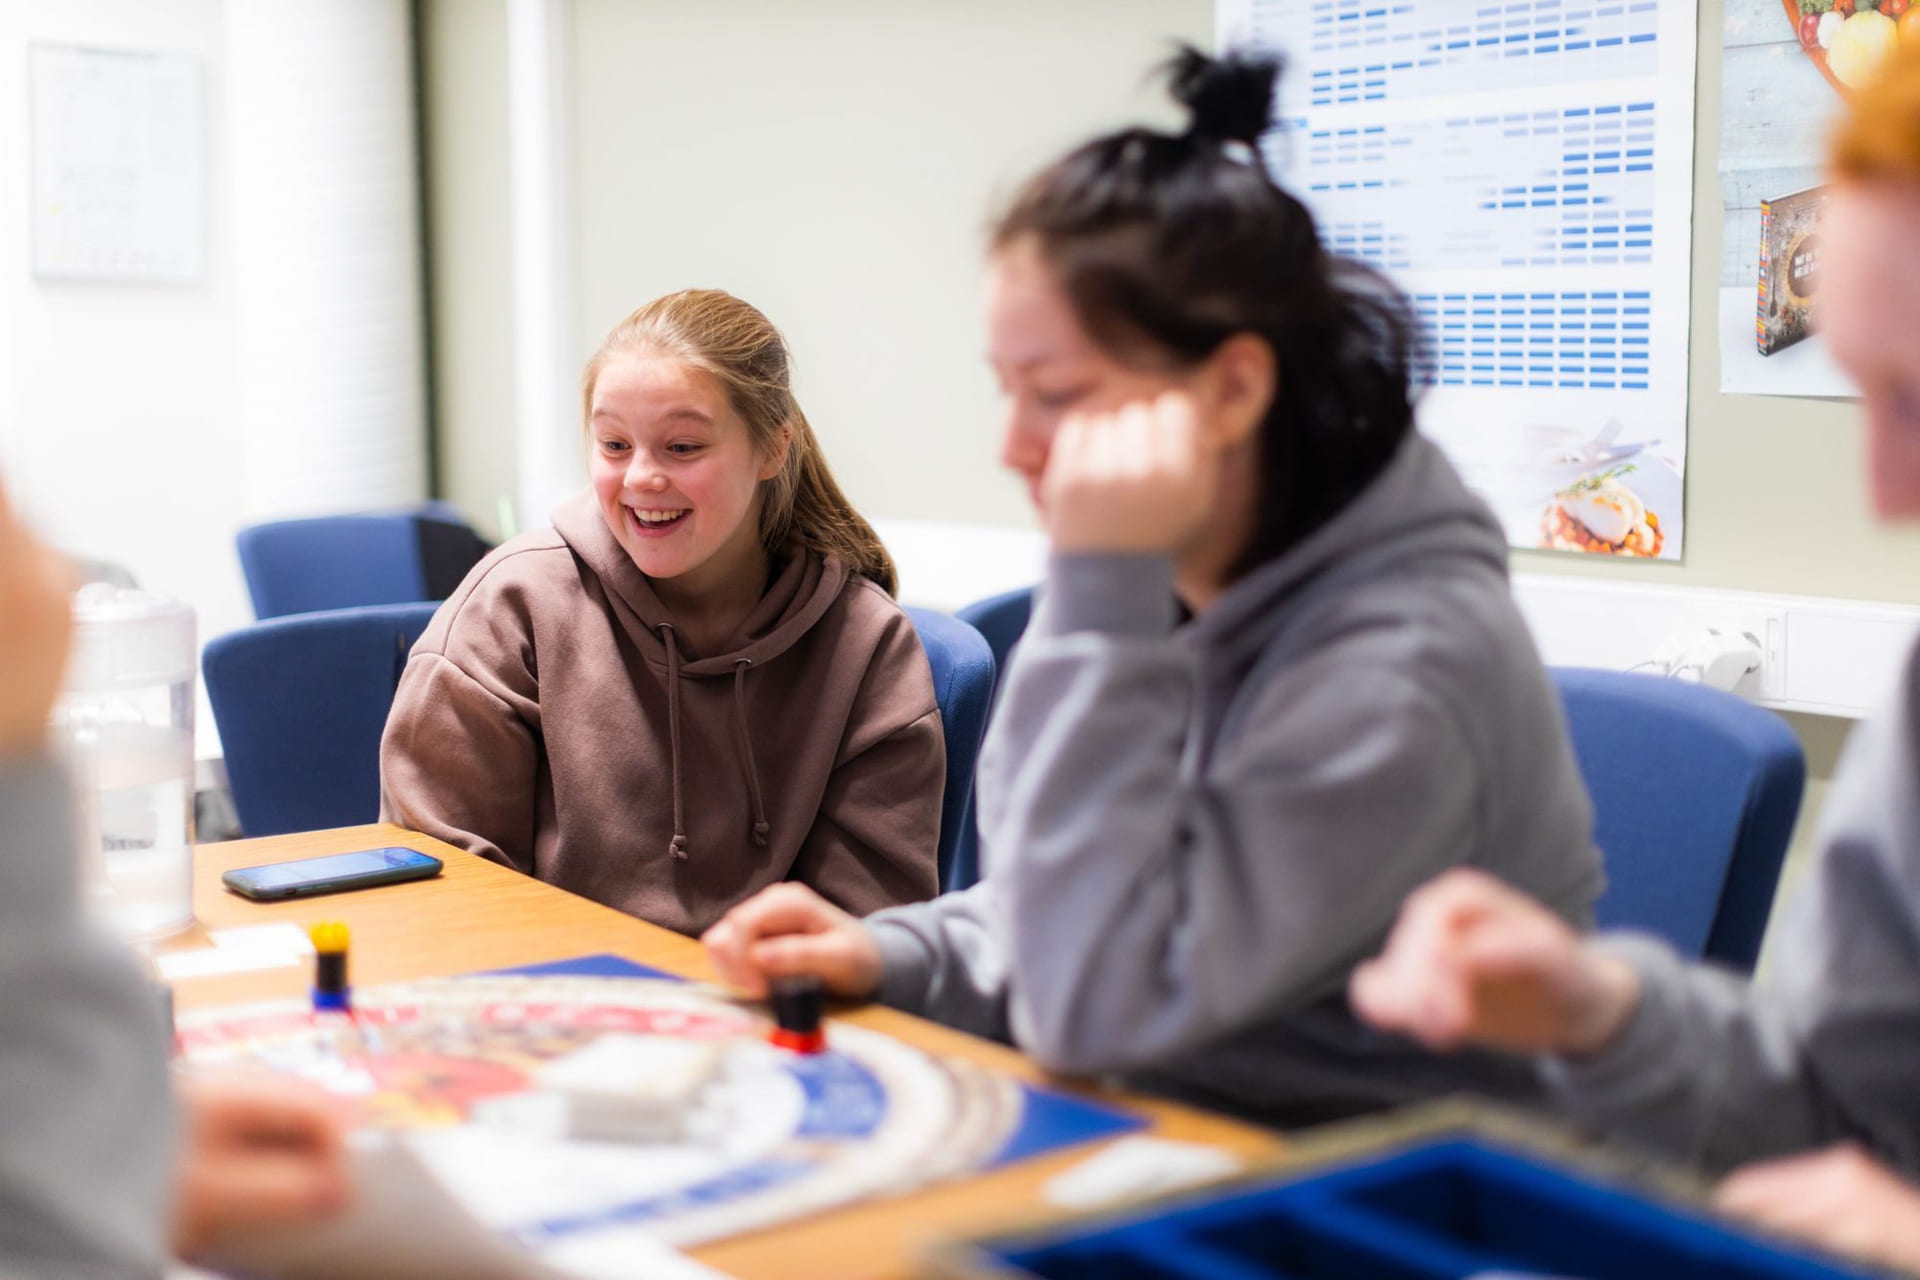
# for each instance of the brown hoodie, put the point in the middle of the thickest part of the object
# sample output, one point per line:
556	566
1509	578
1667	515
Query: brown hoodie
548	720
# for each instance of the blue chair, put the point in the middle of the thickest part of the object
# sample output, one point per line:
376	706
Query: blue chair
301	702
963	686
1002	619
1694	795
342	562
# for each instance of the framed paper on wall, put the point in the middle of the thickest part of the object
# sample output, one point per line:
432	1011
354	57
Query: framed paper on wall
119	165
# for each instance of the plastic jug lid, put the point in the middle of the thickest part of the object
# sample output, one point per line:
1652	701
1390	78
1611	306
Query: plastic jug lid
125	638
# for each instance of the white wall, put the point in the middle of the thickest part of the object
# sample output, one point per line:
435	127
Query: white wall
145	424
117	423
469	246
836	163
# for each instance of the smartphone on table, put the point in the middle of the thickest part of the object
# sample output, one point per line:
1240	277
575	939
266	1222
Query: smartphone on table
334	873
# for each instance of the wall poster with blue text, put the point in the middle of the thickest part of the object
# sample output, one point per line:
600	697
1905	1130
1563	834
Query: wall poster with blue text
1523	169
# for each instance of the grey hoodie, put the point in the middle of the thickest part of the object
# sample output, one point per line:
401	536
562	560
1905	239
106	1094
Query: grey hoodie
1826	1044
1193	832
86	1121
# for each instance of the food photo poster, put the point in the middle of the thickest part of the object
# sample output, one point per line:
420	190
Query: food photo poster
1786	69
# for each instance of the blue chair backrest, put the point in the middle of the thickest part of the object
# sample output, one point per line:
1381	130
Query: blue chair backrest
301	702
1002	619
963	686
1694	795
343	562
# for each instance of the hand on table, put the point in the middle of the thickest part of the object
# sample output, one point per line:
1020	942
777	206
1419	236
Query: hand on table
259	1151
1471	961
1840	1198
788	930
1139	479
34	602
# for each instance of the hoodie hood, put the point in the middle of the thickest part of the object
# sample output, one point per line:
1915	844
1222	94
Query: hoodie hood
1416	510
801	592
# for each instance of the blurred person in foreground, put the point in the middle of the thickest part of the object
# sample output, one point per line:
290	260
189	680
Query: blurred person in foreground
1803	1081
101	1172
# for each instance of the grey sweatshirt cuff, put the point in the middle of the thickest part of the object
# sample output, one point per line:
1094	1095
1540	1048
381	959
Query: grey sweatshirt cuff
1117	594
37	844
906	962
1624	1071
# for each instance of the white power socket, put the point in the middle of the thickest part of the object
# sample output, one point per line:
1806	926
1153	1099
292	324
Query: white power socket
1719	659
1741	652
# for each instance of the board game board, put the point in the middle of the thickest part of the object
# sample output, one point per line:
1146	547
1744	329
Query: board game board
454	1066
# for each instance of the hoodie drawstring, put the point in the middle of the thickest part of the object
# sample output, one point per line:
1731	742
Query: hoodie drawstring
760	827
677	847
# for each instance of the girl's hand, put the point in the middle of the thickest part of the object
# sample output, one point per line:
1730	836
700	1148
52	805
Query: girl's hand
34	590
1472	962
259	1152
1840	1198
1140	479
788	930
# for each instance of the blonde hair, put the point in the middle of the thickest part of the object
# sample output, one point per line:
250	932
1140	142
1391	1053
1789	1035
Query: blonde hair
731	340
1878	139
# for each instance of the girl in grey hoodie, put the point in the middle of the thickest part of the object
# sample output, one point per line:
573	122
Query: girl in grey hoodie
1275	677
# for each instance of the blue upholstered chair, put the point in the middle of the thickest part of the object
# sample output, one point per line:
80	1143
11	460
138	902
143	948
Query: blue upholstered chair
1001	619
963	686
342	562
300	702
1694	795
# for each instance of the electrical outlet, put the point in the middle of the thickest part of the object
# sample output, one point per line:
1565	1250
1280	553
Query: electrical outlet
1768	628
1773	657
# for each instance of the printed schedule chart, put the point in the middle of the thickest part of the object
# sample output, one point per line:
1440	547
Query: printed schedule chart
1523	170
1424	47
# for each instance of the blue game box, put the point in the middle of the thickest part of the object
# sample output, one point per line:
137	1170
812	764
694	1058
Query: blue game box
1456	1190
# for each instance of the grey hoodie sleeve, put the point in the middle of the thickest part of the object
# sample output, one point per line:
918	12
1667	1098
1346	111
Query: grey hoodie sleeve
1134	910
85	1114
942	959
1825	1044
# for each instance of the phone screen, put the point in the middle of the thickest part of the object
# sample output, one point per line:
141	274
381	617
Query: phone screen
340	866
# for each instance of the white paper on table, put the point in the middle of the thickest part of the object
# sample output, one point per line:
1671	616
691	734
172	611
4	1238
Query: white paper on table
627	1253
402	1225
266	946
1137	1166
284	937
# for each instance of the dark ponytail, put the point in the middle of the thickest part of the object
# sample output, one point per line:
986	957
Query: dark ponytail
1167	245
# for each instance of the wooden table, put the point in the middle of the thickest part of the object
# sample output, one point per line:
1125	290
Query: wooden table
481	916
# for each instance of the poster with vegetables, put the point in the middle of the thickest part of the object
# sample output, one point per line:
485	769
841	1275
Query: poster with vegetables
1786	69
1524	171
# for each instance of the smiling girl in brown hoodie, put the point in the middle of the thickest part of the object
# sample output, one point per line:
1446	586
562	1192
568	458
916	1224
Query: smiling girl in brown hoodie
696	683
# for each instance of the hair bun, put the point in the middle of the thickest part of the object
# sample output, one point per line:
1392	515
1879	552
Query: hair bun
1230	98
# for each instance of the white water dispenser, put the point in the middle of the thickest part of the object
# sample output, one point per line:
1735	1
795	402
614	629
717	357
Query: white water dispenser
125	725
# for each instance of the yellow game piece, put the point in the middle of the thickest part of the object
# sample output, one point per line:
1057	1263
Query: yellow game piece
328	935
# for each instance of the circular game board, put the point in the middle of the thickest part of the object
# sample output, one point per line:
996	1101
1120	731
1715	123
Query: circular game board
449	1062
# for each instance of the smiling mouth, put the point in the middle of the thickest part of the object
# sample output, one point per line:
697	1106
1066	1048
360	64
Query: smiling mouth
651	524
